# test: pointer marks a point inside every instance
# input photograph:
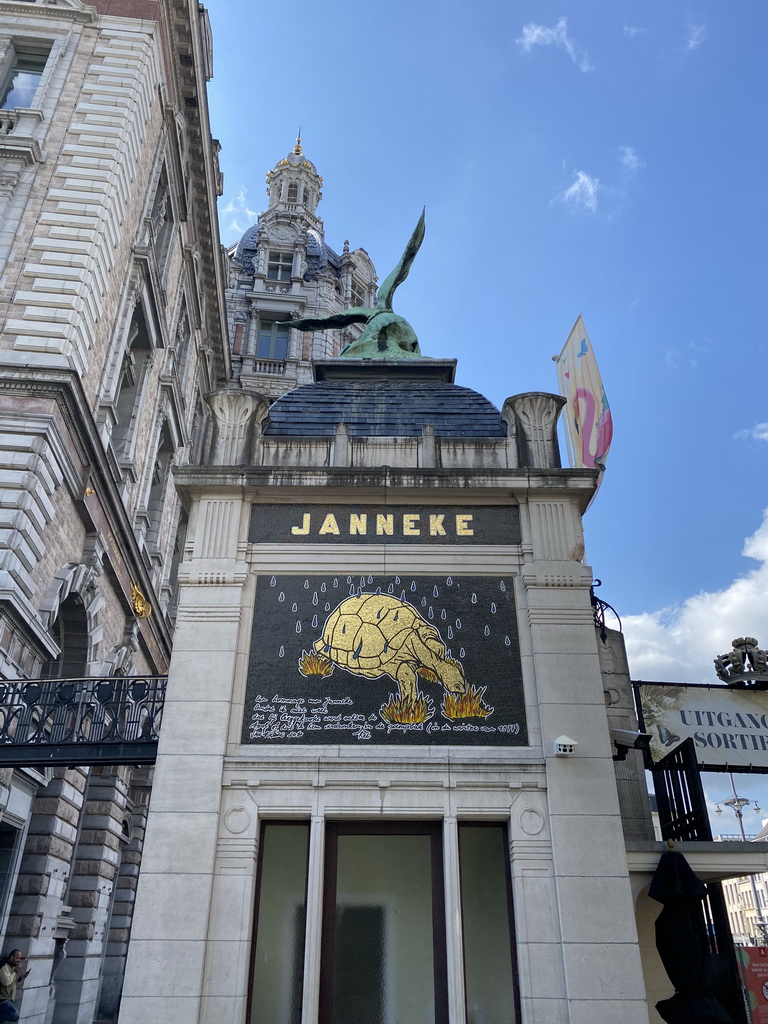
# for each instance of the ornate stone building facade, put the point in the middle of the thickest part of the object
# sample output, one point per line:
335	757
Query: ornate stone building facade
384	634
283	269
112	331
385	731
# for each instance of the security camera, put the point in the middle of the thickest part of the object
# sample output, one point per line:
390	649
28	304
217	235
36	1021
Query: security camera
564	746
629	739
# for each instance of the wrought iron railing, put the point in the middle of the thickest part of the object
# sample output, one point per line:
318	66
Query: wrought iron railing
114	720
599	608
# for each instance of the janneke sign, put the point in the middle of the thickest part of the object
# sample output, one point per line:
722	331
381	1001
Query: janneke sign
729	727
382	524
351	658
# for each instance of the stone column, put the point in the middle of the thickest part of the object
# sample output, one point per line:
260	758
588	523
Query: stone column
124	898
166	961
227	960
314	937
40	923
453	924
537	928
91	892
600	954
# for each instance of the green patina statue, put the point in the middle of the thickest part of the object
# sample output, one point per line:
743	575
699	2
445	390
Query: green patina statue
386	335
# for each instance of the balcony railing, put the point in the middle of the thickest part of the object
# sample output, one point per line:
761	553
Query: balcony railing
113	720
271	366
8	121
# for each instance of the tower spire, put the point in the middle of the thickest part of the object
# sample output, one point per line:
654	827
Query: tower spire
297	148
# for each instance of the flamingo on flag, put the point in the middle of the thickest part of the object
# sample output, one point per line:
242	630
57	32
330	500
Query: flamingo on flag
590	427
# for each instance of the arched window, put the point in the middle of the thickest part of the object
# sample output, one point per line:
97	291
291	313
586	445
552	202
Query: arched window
70	631
162	221
132	372
159	485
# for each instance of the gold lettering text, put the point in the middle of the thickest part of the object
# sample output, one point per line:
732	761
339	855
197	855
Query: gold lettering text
463	529
436	528
410	529
329	525
385	524
358	524
303	530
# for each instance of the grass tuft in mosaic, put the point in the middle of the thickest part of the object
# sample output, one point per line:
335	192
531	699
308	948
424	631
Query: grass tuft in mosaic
466	705
315	666
406	710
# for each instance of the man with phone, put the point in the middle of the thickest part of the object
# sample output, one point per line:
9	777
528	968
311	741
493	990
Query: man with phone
10	978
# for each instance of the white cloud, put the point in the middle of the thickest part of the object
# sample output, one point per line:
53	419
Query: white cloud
236	209
632	30
581	195
757	433
629	159
678	644
696	36
557	36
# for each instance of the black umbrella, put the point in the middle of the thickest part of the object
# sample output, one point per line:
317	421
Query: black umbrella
681	939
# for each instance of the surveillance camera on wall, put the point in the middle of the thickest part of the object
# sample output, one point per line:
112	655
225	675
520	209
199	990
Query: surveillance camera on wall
629	739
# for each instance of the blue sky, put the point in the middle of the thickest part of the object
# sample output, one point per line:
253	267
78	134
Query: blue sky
593	158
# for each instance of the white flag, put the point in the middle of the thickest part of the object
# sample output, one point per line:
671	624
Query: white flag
590	427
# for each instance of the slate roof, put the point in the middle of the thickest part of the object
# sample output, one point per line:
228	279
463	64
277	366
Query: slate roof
384	409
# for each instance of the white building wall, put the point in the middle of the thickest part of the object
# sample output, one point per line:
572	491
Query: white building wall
577	950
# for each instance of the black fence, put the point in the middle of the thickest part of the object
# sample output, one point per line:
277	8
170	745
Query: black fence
80	721
680	796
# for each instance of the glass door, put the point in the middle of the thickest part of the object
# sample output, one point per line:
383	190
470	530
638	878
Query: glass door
383	958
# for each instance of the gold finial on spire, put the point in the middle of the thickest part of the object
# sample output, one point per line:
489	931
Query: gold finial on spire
297	148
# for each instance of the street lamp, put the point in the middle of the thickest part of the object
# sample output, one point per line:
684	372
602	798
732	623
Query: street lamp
737	804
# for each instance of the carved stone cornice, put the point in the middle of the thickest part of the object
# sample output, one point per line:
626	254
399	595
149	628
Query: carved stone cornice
187	31
71	11
21	147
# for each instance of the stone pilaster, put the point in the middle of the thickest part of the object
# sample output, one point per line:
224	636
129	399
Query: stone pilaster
174	901
124	899
40	922
598	937
91	892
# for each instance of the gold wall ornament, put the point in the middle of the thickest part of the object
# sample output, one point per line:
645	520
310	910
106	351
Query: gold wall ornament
141	607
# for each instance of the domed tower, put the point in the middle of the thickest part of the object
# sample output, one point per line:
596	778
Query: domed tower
282	269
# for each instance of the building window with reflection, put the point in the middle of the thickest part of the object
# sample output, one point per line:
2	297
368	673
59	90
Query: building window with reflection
384	955
279	266
23	77
359	296
272	341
